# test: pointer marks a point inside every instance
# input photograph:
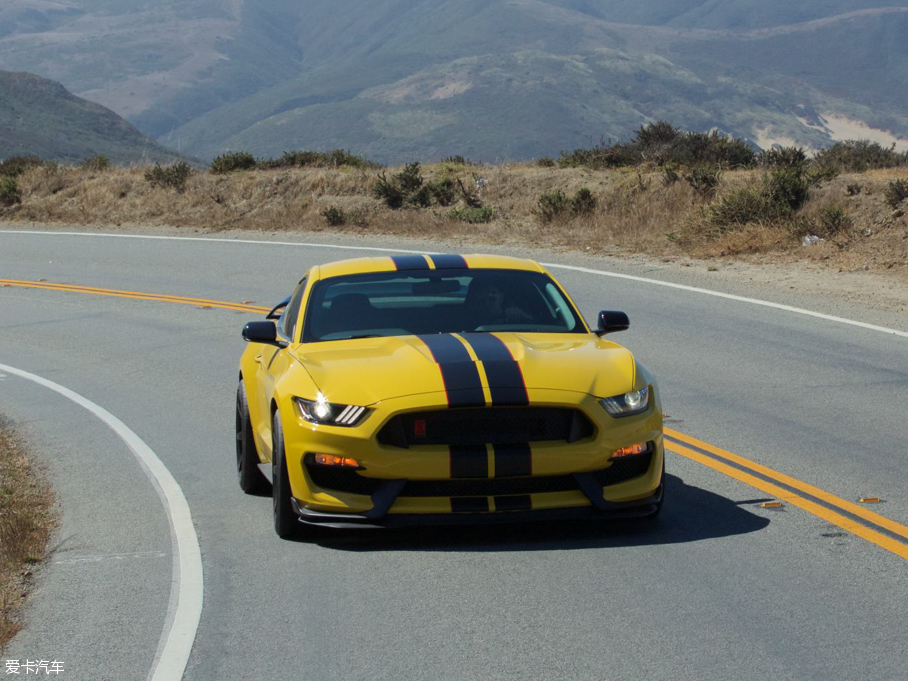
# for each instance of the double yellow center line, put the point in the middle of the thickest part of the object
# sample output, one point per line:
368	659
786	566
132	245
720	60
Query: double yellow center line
851	517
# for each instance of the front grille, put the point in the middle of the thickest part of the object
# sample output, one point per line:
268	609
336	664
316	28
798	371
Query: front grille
350	481
486	425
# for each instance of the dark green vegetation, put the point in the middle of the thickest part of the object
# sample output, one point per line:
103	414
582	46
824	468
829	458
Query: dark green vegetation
492	80
41	118
174	176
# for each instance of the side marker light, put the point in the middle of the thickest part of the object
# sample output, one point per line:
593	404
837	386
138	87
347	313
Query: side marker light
331	460
641	448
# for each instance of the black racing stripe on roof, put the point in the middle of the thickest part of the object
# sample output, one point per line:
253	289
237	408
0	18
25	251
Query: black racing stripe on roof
458	370
410	262
505	378
450	262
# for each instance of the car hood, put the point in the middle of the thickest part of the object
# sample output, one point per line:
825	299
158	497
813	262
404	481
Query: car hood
368	370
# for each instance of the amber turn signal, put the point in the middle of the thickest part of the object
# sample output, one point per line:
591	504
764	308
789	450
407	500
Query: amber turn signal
641	448
331	460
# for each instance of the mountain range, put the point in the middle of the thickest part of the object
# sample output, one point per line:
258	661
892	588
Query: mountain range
487	79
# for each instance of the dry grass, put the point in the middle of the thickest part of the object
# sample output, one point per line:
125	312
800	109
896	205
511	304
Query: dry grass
637	212
26	521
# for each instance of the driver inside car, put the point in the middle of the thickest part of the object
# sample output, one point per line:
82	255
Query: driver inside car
489	304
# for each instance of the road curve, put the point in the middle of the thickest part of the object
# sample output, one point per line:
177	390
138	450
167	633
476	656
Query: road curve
720	586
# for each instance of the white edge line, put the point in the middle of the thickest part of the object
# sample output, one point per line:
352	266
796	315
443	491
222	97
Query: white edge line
585	270
177	638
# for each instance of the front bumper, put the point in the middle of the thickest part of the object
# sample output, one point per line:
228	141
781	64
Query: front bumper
419	486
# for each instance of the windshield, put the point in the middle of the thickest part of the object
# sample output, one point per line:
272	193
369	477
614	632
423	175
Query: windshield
443	301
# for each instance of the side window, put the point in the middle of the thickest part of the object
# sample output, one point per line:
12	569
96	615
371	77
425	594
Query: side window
293	310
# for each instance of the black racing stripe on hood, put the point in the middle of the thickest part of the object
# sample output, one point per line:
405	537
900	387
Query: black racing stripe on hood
458	370
505	378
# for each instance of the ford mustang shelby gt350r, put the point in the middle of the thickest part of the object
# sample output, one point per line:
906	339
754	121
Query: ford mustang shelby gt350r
439	389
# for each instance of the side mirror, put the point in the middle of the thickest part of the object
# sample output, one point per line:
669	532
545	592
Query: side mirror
262	332
611	321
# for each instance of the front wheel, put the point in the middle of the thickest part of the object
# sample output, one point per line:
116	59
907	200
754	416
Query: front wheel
286	524
247	459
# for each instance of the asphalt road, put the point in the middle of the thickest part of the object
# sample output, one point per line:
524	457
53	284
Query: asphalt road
717	588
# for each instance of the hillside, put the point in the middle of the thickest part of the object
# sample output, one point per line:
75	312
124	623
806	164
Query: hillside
492	79
40	117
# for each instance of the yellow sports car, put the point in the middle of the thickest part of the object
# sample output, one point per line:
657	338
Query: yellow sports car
416	389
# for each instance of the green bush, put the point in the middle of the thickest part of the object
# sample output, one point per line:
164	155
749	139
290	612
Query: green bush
228	163
410	178
740	207
854	189
704	179
14	166
545	162
794	157
317	159
388	191
663	144
474	216
552	205
174	176
335	217
786	189
9	191
896	192
95	164
861	155
833	220
583	202
444	191
421	198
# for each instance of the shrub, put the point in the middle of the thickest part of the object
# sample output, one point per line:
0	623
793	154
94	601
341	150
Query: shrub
444	191
473	216
421	198
16	165
552	205
854	189
174	176
583	202
9	191
228	163
740	207
704	180
833	220
317	159
818	173
95	164
388	191
896	192
334	216
410	178
861	155
793	157
458	160
545	162
786	189
662	144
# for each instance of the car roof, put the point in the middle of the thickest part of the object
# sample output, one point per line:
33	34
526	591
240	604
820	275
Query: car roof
413	262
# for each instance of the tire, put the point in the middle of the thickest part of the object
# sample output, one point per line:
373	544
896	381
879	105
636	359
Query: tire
286	524
247	459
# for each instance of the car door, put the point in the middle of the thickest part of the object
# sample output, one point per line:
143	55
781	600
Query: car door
272	362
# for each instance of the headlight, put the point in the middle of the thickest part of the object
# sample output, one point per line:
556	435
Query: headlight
322	412
629	404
